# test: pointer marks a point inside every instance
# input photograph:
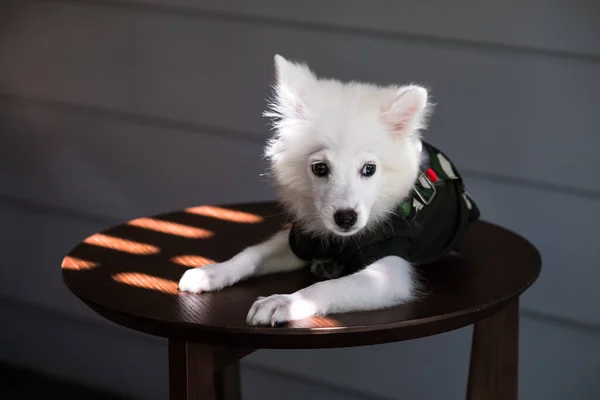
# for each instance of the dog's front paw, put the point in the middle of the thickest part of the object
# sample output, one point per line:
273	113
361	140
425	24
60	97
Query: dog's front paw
204	279
280	308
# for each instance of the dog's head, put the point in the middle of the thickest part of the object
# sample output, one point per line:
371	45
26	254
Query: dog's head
343	154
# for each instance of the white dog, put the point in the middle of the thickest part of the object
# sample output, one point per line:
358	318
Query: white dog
344	157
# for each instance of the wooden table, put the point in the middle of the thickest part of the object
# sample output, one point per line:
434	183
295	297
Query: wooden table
129	275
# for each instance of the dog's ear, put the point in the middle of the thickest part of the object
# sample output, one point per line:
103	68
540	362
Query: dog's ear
292	80
291	74
405	109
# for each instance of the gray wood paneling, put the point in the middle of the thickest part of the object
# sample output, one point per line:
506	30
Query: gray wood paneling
561	226
529	116
397	370
558	361
119	168
84	353
565	26
33	246
270	384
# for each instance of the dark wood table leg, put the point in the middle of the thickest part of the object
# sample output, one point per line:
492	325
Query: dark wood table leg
199	372
227	381
494	369
191	371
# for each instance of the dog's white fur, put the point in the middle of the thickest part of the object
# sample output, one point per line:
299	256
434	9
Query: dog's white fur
343	125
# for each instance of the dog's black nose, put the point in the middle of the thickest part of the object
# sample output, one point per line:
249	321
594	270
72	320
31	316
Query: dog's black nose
345	218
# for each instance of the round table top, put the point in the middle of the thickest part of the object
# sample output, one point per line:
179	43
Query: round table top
129	275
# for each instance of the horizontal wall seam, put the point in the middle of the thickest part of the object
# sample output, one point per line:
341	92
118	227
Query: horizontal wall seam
213	15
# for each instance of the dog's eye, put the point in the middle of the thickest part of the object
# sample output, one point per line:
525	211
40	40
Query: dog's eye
320	169
368	170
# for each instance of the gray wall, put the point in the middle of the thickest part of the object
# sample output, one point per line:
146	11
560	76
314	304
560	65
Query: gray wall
115	109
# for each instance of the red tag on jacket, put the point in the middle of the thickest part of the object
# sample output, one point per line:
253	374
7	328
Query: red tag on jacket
432	175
